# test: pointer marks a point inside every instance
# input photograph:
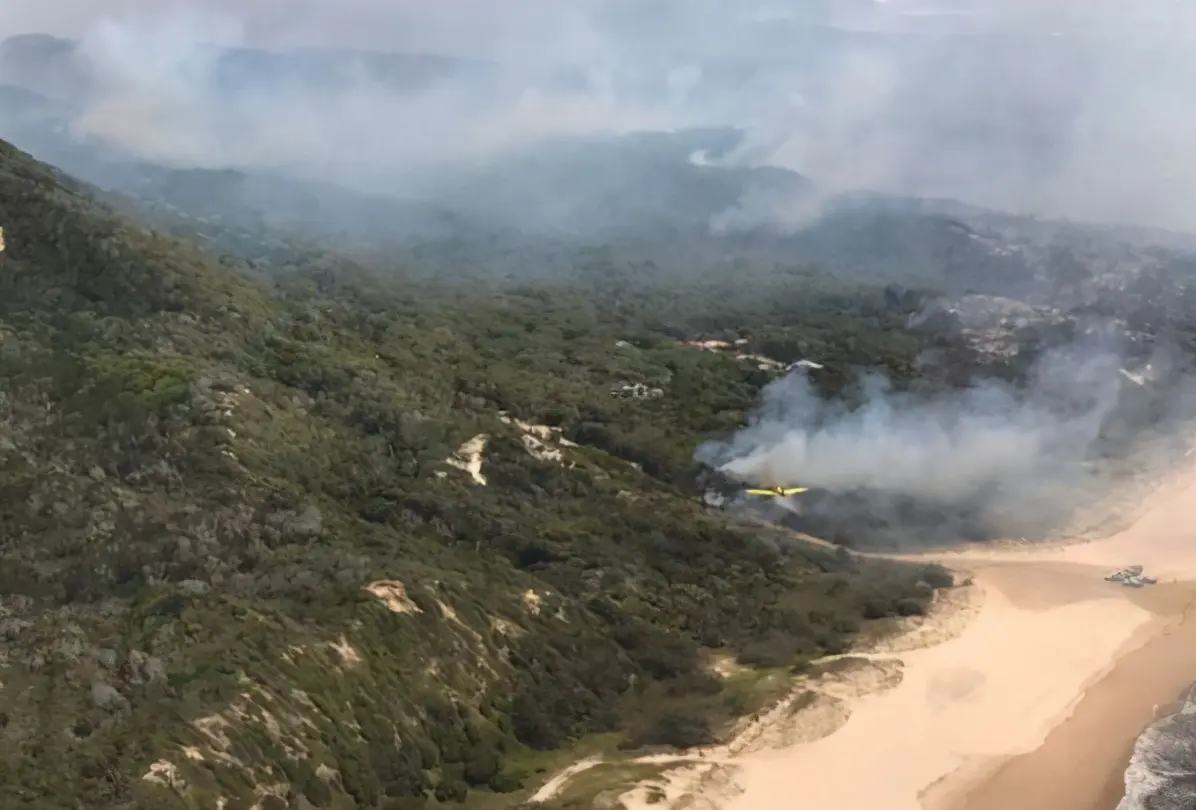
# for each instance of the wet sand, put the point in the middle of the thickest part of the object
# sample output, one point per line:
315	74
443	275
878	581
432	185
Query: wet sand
1081	764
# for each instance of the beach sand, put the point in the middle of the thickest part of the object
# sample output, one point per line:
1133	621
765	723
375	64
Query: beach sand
1034	702
1081	763
994	691
1025	689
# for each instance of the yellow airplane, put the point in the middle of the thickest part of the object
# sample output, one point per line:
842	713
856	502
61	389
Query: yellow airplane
778	492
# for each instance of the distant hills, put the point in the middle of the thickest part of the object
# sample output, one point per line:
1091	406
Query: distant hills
669	195
58	68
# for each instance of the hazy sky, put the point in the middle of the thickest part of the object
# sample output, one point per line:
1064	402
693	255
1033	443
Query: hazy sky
488	27
458	25
1085	112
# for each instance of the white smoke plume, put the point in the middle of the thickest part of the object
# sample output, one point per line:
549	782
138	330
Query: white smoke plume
1013	457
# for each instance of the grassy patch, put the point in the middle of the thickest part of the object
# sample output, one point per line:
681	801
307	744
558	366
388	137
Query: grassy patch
754	690
538	767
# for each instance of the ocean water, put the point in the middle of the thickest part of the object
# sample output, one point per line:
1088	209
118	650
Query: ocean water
1162	771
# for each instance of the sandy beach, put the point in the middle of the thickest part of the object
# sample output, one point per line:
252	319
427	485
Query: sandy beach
1024	689
1035	703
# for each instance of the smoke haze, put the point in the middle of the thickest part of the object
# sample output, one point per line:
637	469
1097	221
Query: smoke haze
1044	107
1016	460
1039	106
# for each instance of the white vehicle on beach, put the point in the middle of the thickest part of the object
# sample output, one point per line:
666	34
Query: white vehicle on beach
1131	577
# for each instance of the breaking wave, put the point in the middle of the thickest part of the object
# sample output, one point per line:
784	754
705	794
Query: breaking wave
1162	771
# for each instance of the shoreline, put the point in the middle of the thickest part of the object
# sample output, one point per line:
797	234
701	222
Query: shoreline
994	691
1026	688
1078	669
1091	748
957	715
1065	748
1081	763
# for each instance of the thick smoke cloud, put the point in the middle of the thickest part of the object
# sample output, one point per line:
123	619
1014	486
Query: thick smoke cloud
1047	106
150	81
1014	460
158	90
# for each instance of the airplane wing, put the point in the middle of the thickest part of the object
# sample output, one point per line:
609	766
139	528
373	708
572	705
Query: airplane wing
765	492
794	490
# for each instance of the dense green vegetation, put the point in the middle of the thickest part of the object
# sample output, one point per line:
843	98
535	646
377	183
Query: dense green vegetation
241	564
235	558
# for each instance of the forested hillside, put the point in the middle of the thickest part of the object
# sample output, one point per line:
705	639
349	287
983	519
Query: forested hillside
246	561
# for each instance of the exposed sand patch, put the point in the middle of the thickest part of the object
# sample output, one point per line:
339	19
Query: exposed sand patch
532	602
720	346
542	442
393	594
762	363
505	627
469	458
447	612
725	666
554	785
676	788
349	655
165	773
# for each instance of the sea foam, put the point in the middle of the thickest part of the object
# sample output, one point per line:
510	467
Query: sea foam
1162	771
